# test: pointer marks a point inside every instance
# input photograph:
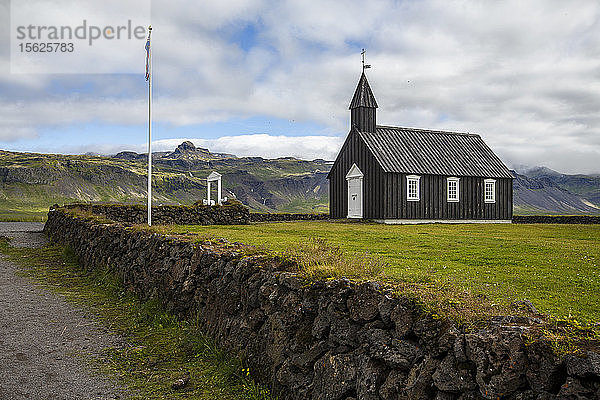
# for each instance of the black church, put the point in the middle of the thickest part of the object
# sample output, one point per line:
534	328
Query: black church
406	175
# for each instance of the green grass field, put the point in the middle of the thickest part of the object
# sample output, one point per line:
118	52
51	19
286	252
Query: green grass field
12	211
556	267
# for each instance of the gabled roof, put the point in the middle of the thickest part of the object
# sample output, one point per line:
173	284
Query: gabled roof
420	151
213	176
363	95
354	172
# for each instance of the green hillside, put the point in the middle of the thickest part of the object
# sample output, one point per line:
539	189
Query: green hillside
30	182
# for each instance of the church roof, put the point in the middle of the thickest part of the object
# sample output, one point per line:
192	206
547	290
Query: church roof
421	151
363	95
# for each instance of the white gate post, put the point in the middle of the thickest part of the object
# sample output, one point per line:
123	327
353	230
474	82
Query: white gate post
219	191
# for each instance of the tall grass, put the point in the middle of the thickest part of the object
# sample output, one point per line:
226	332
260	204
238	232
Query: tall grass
317	259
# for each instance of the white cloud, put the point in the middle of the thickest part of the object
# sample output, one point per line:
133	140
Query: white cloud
525	75
257	145
71	110
269	146
86	50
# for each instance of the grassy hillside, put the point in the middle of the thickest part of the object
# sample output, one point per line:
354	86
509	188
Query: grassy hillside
30	182
556	267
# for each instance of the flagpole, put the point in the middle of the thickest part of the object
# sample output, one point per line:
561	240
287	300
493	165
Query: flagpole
149	128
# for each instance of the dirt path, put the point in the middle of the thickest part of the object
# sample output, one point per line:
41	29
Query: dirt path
44	341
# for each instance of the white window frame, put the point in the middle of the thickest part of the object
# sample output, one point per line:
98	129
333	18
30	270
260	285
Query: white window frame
491	182
450	181
409	179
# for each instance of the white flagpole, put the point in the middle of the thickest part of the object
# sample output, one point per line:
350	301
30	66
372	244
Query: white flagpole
149	130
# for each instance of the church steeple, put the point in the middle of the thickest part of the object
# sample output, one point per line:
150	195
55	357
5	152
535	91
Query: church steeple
363	107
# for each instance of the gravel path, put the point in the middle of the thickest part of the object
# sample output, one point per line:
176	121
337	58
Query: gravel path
45	341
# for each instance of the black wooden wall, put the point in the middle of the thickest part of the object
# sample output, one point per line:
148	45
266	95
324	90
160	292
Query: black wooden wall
384	194
433	203
353	151
364	118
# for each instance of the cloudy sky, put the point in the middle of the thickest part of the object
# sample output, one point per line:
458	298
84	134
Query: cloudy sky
274	78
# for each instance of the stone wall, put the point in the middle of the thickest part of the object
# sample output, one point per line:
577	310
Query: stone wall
556	219
227	214
237	214
332	339
273	217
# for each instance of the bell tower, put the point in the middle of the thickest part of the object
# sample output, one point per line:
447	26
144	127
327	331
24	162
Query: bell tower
363	108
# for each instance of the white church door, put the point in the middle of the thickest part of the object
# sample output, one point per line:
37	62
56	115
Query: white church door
355	192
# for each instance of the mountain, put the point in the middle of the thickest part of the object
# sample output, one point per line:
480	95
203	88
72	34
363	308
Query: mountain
30	182
187	151
587	186
543	191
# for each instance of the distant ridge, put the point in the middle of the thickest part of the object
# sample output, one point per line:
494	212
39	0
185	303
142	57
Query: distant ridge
543	190
185	151
188	151
30	182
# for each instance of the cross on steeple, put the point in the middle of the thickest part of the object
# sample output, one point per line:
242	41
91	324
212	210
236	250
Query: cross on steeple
364	66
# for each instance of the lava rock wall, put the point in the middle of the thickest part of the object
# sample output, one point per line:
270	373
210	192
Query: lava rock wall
273	217
227	214
326	340
556	219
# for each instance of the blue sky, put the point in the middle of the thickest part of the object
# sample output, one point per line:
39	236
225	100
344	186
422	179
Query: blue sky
275	78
